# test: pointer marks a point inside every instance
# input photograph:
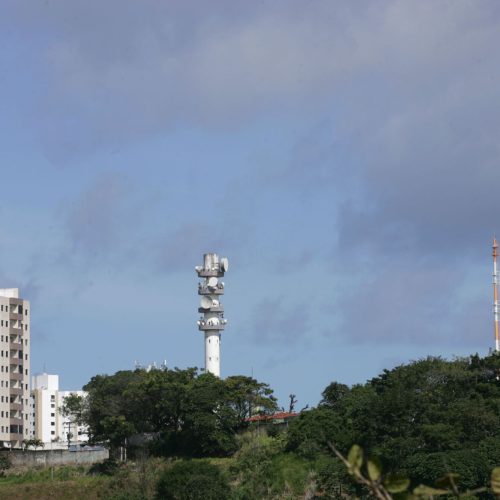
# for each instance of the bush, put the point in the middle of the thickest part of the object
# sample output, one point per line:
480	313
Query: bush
192	480
106	468
5	463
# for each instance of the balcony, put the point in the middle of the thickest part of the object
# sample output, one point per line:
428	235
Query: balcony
209	273
214	309
203	327
16	421
16	406
205	290
15	316
15	361
16	345
16	391
16	376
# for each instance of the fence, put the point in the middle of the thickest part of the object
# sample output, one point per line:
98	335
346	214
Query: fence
43	458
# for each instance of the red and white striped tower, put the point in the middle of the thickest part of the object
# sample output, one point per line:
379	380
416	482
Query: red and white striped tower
495	294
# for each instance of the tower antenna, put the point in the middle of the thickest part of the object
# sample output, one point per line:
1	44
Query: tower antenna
212	323
495	294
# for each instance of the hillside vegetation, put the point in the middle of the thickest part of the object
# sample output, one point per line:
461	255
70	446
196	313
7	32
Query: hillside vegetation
421	420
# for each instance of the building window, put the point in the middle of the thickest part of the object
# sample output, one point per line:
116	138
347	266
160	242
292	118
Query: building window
26	327
52	414
52	423
52	405
26	386
1	322
2	414
52	432
26	357
6	323
26	312
26	371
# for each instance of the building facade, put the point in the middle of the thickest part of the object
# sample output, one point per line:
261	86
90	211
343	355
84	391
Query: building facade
49	424
15	320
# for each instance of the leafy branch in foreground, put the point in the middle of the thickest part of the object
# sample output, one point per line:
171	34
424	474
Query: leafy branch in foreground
384	487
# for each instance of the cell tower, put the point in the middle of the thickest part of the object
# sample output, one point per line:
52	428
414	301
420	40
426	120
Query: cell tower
212	322
495	294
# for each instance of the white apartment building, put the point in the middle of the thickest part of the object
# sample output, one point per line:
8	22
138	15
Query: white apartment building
15	319
48	423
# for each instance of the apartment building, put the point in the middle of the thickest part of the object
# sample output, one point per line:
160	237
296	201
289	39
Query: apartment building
15	315
48	423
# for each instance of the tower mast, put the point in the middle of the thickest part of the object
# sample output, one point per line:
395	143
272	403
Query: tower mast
495	294
212	323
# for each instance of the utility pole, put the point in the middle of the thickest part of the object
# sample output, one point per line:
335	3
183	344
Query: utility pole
495	295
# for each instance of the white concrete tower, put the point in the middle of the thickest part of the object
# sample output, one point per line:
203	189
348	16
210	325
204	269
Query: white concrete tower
212	322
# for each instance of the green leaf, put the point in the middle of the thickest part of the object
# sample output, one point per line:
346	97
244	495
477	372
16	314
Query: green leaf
396	483
355	458
423	490
495	480
374	468
447	480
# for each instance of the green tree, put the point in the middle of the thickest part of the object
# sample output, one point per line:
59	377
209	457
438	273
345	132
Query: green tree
209	422
247	396
414	416
73	407
105	398
189	413
334	394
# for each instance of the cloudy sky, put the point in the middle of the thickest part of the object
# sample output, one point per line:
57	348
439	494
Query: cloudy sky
343	155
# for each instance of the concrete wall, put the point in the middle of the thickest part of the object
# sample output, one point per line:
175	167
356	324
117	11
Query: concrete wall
55	457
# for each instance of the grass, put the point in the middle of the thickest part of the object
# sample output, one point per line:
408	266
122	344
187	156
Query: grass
259	470
41	488
132	482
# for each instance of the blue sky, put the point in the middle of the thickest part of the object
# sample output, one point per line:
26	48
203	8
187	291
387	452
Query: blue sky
343	155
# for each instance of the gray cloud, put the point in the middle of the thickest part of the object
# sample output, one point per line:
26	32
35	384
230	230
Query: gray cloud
404	96
95	222
276	321
122	69
183	247
401	303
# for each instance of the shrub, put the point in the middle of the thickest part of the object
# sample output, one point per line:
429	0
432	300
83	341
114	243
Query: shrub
192	480
106	468
5	463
